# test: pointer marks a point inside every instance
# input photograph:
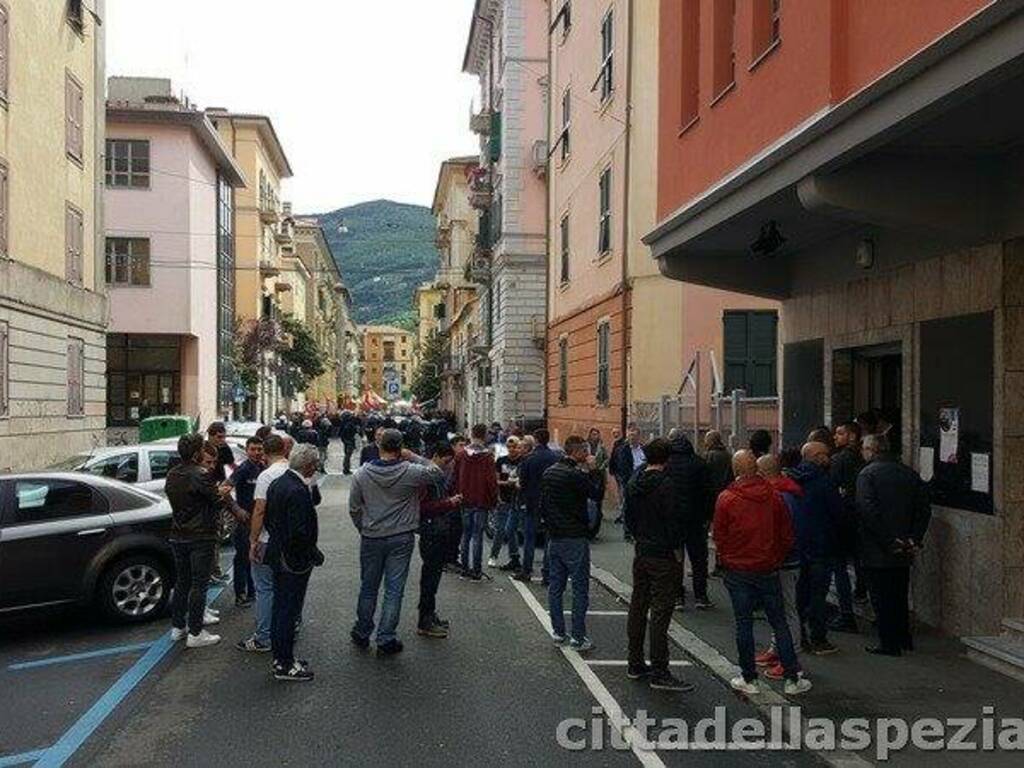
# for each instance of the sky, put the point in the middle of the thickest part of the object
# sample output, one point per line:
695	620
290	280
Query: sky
367	96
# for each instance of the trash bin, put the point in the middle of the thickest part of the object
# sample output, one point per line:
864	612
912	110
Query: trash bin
158	427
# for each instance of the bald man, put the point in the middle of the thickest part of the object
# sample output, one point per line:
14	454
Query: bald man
817	512
753	536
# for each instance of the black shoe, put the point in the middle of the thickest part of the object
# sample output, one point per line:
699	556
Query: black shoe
432	629
442	622
471	576
820	648
295	673
242	601
663	680
844	623
703	604
359	641
524	576
879	651
511	565
638	673
628	538
390	649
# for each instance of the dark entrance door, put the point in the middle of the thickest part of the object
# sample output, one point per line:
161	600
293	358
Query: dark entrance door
869	379
803	390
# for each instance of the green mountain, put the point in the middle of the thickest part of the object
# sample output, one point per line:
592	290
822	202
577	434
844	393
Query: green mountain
384	250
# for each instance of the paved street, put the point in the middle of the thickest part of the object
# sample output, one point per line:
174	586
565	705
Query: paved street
495	691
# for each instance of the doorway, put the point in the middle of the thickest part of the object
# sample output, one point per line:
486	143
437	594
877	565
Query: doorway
866	379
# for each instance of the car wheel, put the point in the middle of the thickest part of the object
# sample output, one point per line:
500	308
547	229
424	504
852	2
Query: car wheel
134	589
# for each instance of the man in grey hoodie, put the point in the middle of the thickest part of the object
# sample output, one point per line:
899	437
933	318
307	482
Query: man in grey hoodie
384	503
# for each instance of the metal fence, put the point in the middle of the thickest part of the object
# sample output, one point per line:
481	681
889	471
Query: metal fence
734	415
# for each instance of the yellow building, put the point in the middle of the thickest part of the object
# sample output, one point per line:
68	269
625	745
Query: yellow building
261	231
429	297
387	362
53	308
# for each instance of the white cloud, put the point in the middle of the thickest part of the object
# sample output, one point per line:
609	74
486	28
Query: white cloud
367	96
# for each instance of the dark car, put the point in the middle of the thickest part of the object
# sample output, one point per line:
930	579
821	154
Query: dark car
74	538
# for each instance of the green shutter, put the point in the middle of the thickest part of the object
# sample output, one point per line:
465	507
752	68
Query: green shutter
495	140
750	339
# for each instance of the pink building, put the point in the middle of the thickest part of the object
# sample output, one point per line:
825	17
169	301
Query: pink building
169	256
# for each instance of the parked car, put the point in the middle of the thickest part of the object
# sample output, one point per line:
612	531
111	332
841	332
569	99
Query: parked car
69	537
144	466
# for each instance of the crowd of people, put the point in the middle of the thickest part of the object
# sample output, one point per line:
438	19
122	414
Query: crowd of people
786	526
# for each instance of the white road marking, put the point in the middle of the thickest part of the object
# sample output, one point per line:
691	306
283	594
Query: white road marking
613	711
624	663
601	613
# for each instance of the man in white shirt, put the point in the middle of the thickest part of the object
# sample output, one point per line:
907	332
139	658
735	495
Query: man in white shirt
276	449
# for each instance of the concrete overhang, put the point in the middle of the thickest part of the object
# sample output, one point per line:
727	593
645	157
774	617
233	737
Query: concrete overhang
935	149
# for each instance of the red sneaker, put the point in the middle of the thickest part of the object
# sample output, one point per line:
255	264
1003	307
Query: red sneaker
774	672
767	658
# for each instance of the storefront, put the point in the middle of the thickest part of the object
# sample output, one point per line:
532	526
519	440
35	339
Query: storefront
143	377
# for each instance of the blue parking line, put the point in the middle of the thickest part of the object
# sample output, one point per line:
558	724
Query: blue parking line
112	651
21	759
75	736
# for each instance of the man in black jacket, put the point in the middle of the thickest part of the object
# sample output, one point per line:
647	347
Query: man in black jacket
531	479
348	428
292	552
894	511
196	508
653	513
692	481
566	487
845	465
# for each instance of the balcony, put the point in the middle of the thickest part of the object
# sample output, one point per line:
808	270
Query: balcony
268	212
481	195
480	122
478	269
284	234
268	268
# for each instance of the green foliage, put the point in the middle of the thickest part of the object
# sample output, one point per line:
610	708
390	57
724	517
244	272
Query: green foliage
384	250
426	384
303	360
406	320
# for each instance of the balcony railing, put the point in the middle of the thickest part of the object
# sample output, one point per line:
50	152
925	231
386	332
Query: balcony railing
480	122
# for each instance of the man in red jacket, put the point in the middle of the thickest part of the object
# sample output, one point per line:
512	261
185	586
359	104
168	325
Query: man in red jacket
475	479
753	536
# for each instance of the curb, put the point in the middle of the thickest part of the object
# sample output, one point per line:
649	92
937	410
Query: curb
721	667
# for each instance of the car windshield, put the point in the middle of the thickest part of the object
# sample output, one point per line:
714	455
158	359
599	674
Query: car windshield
70	463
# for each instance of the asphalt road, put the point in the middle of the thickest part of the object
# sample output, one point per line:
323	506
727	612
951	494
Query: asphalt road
494	692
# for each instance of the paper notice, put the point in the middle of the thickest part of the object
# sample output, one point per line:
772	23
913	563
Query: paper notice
949	434
979	472
927	463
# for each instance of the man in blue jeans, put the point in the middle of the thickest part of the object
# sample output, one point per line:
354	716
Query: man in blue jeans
476	481
753	535
531	474
566	487
384	503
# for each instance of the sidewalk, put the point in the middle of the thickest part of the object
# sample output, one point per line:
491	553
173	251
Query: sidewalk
936	681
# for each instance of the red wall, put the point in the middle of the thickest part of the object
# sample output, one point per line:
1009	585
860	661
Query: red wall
828	50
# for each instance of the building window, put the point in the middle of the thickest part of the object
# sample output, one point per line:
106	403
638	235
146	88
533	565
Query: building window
497	301
604	235
606	78
563	370
74	241
76	377
76	17
689	75
389	351
564	248
724	65
5	47
766	27
4	360
566	123
225	290
74	111
603	361
127	163
127	261
750	349
3	210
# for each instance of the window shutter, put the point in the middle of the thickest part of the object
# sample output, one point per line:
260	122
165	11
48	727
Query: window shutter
4	50
69	245
3	210
3	369
68	115
495	140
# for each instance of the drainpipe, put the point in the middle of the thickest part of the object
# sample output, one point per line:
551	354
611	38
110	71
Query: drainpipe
626	242
547	234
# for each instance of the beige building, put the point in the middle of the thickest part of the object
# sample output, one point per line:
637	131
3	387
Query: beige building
53	310
388	358
263	237
328	310
428	298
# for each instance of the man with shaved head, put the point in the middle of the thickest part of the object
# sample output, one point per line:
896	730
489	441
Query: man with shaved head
753	536
817	511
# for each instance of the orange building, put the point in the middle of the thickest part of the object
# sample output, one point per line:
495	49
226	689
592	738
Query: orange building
388	360
861	163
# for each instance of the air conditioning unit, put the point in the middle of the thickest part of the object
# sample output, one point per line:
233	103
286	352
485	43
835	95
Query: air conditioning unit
539	160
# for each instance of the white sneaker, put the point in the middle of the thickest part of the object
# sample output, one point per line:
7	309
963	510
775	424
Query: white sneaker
202	640
210	618
177	634
798	686
492	562
741	685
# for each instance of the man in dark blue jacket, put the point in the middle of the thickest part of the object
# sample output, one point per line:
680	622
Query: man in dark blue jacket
292	552
816	517
531	473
